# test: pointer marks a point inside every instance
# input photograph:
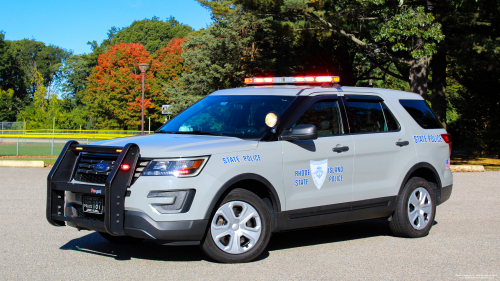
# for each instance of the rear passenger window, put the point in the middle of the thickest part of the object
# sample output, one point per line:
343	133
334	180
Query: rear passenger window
325	115
370	117
422	114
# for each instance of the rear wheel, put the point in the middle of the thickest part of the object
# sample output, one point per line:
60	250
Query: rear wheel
239	230
120	239
415	209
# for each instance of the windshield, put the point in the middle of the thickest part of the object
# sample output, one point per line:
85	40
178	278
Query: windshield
238	116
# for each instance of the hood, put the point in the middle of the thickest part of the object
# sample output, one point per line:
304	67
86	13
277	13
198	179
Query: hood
170	145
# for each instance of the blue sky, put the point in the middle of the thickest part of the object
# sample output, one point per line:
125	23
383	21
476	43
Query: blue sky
70	24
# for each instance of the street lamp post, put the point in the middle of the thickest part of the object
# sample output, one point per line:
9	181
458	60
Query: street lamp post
143	67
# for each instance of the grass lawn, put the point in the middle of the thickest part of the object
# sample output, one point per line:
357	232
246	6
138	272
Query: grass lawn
490	164
30	149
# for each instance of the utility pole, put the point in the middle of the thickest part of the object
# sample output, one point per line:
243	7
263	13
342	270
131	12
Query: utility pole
143	67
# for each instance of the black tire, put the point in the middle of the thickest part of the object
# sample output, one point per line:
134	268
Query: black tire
400	224
210	248
120	239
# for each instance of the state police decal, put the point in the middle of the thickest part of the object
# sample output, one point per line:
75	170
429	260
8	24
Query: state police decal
318	172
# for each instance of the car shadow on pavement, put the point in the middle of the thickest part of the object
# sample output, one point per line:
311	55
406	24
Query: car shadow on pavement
93	243
329	234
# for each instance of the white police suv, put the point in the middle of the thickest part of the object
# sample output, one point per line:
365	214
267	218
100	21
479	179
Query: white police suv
241	164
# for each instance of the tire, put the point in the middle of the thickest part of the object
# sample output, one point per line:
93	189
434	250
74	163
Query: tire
120	239
415	209
239	230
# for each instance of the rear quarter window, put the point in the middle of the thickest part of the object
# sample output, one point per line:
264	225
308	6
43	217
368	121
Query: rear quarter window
421	113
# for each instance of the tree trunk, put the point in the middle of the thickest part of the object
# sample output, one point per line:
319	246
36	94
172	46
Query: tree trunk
418	76
438	98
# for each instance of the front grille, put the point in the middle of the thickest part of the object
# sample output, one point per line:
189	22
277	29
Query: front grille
93	178
85	168
88	216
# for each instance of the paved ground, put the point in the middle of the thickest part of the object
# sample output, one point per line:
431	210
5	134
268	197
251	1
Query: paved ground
464	244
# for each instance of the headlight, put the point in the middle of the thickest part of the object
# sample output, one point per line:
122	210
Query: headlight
179	167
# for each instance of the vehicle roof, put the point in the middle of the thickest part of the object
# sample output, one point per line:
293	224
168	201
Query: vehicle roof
291	90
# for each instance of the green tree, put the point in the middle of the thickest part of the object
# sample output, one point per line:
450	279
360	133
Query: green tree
75	72
472	58
48	60
7	105
403	33
218	57
152	33
42	112
12	86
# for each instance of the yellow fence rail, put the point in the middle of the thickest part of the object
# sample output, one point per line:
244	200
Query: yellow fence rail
71	134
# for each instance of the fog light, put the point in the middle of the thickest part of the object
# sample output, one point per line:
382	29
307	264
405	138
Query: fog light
168	201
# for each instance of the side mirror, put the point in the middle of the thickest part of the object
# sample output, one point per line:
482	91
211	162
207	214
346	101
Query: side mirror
300	132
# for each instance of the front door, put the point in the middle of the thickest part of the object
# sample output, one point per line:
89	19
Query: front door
319	172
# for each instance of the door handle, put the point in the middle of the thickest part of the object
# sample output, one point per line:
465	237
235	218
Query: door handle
402	143
340	149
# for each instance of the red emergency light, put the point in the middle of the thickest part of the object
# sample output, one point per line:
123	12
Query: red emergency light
291	80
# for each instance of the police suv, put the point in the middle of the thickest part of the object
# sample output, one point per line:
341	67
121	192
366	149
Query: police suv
282	153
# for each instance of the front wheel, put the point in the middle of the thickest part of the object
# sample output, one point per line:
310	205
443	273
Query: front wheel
239	230
415	209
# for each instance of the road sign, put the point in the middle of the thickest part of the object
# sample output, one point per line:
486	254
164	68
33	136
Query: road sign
164	109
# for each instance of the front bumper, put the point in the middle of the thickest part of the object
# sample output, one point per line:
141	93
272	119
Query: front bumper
115	219
140	225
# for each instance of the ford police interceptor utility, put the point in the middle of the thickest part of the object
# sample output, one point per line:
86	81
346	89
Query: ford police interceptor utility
282	153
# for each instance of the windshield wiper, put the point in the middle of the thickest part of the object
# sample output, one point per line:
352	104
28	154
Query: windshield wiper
199	133
164	132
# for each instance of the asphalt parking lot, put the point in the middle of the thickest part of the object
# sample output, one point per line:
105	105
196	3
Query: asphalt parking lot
464	244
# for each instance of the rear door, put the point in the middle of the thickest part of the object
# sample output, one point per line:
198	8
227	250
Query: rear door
384	151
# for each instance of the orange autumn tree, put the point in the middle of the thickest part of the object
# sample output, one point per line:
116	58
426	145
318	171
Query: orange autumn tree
171	64
113	93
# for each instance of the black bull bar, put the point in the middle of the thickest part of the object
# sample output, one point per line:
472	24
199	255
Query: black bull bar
115	189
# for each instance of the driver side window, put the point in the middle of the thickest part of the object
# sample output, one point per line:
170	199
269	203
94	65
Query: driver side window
325	115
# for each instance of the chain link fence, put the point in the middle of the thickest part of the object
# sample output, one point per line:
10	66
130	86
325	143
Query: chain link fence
36	147
13	127
15	140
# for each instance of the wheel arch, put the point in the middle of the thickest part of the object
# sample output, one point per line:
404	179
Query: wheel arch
426	171
254	183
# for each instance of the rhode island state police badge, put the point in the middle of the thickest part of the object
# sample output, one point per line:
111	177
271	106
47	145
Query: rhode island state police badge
318	172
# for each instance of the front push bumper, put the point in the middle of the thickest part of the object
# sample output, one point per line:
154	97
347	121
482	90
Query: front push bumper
116	221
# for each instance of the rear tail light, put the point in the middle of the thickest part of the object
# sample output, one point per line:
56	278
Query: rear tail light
447	139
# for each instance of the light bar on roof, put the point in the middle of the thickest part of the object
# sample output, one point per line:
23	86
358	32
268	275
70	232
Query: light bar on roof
291	80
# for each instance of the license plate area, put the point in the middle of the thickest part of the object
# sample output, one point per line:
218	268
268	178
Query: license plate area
92	204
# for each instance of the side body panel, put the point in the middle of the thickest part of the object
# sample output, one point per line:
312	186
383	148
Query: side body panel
300	174
264	161
429	146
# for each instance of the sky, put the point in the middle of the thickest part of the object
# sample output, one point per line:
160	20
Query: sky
70	24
